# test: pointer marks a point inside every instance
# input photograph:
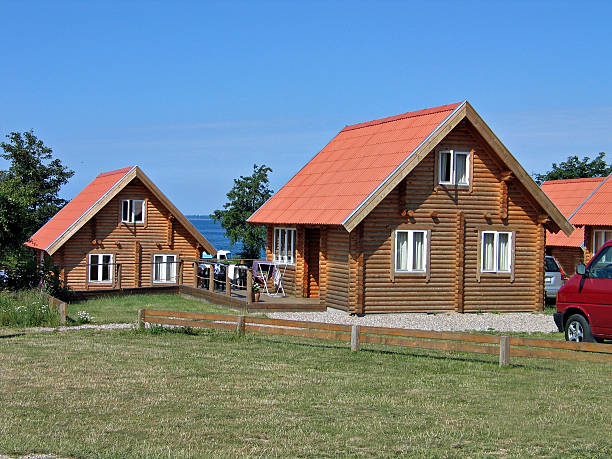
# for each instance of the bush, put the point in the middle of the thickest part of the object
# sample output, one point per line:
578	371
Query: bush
26	308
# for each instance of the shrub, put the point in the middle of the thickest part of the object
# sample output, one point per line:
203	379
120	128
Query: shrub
83	317
26	308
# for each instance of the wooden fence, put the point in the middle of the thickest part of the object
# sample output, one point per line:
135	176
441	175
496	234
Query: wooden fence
61	307
504	346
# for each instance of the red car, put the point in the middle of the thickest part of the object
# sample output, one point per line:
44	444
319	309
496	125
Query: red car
584	303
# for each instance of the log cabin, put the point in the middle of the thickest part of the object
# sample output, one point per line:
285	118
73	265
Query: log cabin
426	211
587	204
121	231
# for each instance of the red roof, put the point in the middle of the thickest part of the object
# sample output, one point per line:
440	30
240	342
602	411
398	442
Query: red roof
582	202
76	208
350	168
597	210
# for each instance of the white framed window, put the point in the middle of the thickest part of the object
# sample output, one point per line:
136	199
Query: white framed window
100	267
600	237
496	252
453	167
411	247
164	268
284	245
132	211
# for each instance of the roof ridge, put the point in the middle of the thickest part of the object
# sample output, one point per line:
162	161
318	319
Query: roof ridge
413	114
116	171
578	179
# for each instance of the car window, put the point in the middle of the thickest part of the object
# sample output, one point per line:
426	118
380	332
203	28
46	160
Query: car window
601	267
551	266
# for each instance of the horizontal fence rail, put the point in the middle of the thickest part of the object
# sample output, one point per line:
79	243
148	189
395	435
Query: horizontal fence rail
505	346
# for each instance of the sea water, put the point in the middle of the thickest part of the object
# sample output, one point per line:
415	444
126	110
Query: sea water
214	233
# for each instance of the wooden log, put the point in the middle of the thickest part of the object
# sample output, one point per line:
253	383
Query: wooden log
188	315
211	278
228	282
297	323
355	335
249	287
63	312
504	351
191	323
240	325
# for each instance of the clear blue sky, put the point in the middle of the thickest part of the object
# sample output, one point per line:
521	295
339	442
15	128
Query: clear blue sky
196	92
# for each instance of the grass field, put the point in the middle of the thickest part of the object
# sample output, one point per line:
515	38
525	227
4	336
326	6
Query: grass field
171	394
124	308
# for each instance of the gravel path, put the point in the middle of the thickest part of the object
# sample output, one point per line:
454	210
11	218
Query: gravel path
508	322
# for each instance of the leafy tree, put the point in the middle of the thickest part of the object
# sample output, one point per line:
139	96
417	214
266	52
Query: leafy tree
246	196
576	168
28	199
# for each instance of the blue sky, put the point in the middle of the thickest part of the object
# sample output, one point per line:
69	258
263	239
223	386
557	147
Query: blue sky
196	92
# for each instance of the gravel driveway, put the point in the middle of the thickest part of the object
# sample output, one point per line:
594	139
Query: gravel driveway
503	322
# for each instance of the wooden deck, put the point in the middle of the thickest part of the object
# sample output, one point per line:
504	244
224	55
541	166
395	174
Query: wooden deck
267	303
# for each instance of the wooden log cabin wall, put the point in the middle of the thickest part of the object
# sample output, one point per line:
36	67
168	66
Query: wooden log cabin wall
132	245
356	269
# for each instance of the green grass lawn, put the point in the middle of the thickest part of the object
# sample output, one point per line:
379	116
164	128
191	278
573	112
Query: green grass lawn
170	394
124	308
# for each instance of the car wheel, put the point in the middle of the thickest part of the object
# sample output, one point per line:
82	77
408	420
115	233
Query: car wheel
578	329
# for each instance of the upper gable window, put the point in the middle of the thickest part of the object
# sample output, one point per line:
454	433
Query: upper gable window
132	211
453	167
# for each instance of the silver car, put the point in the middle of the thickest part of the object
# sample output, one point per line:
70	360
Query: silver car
553	278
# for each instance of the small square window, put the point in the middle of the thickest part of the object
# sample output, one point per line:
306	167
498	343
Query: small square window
100	268
411	248
453	167
164	268
496	256
132	211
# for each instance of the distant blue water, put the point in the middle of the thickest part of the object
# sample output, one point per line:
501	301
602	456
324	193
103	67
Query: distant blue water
214	233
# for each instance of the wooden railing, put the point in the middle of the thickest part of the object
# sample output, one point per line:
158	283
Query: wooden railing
505	346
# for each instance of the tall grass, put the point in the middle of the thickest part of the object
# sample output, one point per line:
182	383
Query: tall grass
26	308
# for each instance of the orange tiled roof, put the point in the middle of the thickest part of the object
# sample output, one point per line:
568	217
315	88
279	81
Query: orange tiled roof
597	210
350	168
573	197
76	208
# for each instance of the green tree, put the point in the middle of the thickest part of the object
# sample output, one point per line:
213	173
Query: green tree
28	199
576	168
246	196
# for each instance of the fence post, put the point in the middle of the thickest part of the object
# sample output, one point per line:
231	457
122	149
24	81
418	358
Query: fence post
141	319
504	351
249	287
195	274
240	325
211	278
355	330
228	284
63	312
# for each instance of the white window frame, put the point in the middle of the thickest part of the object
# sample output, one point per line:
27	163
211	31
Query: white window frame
595	232
131	214
163	279
453	171
410	255
98	268
496	252
284	253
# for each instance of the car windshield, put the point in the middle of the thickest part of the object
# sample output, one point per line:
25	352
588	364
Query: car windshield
551	266
601	267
